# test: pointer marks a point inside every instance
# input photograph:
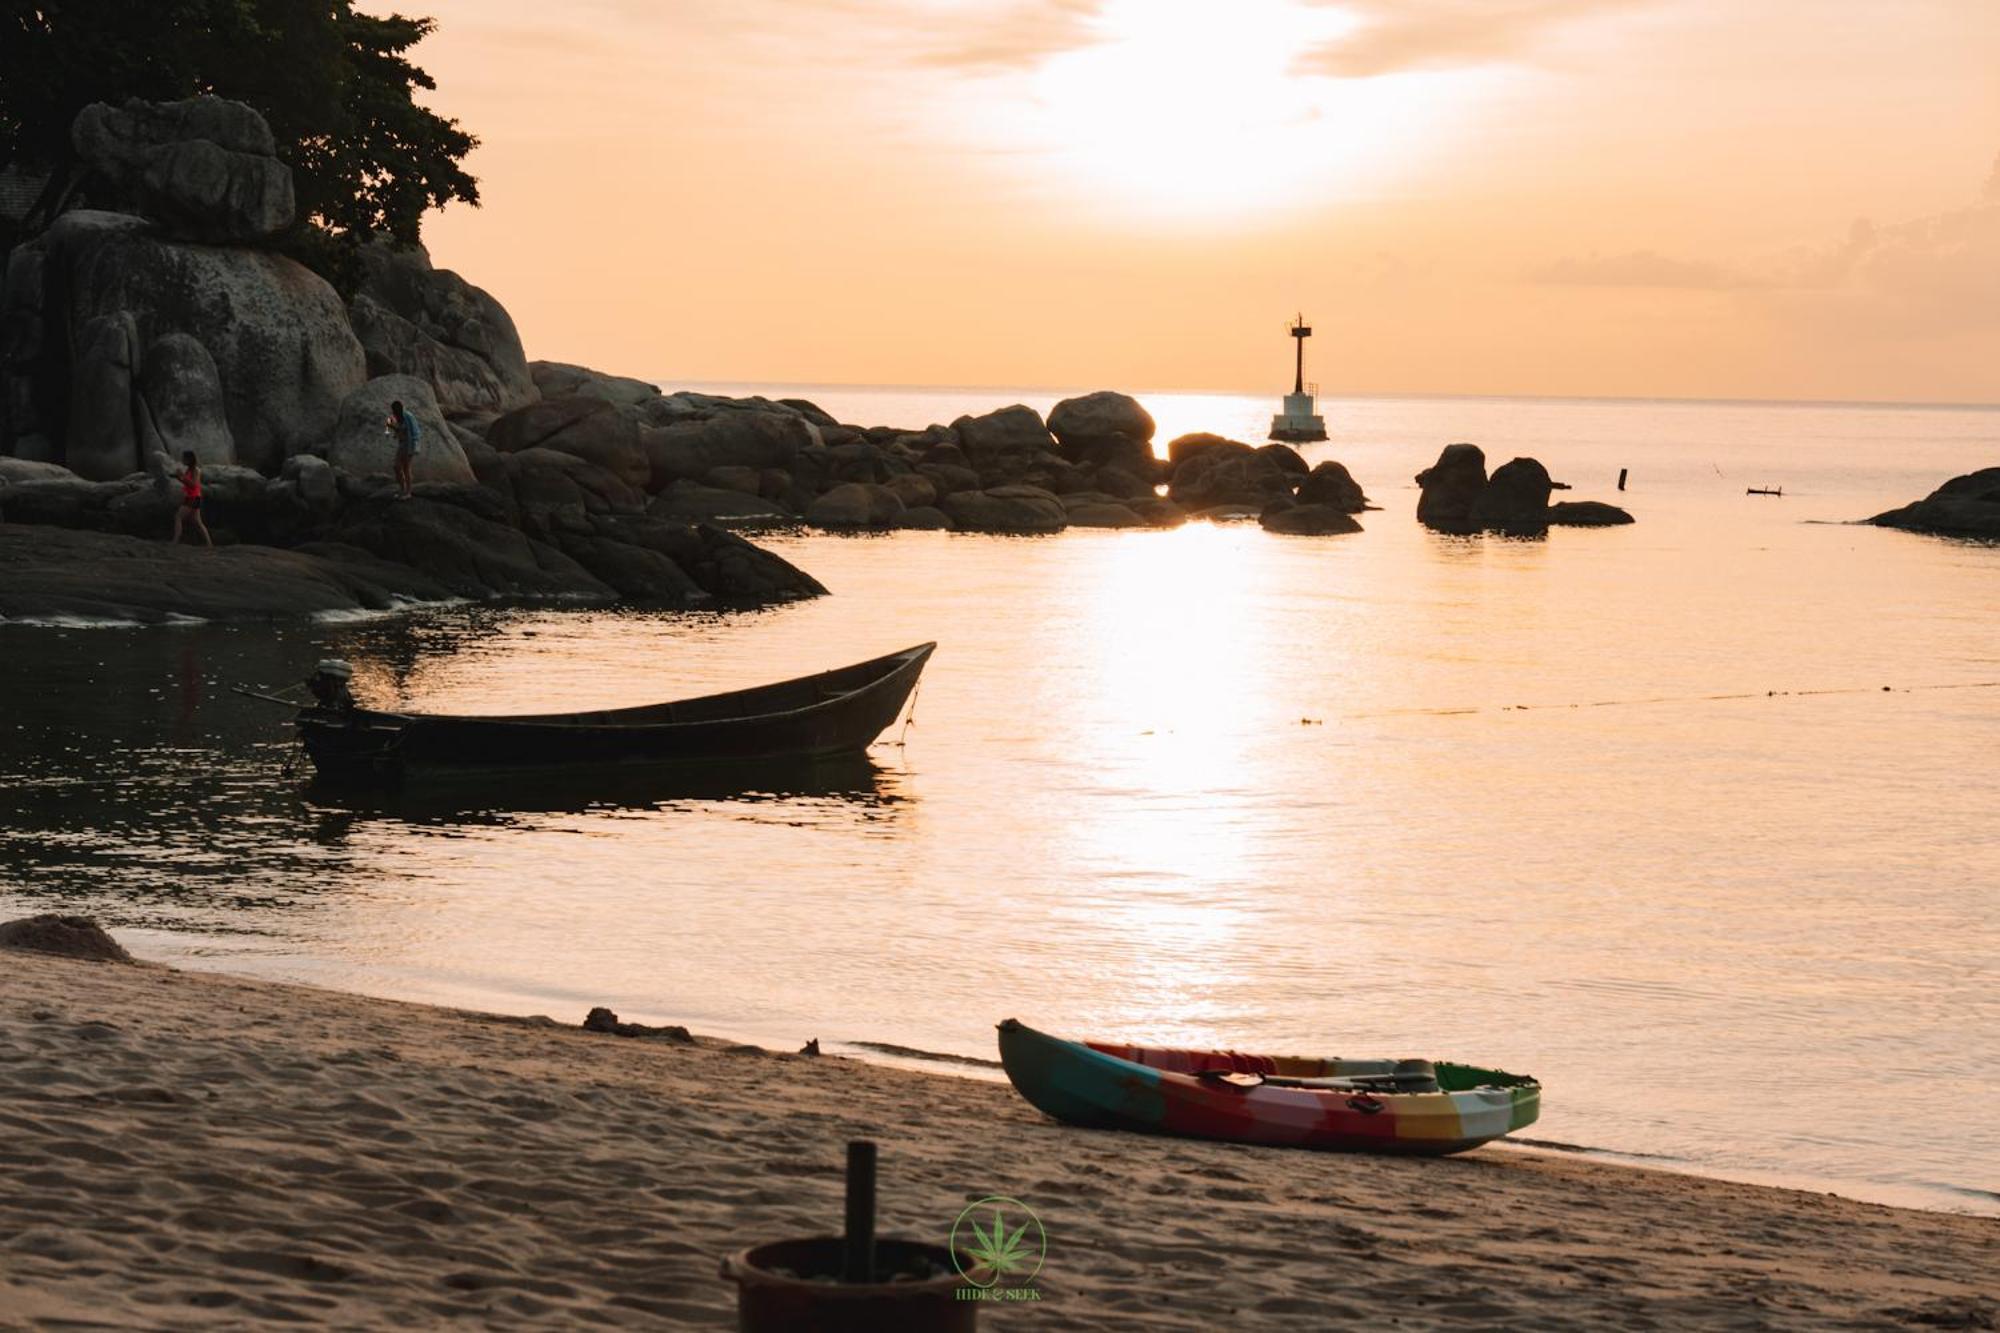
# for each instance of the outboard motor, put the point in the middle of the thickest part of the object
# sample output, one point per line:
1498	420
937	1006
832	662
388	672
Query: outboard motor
328	684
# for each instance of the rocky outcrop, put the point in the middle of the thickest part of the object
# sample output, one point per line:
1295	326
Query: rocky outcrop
276	335
1967	506
58	574
361	444
1450	487
413	319
206	169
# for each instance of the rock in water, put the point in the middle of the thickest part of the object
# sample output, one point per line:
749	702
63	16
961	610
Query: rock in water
1010	509
69	936
362	446
413	319
1515	501
1586	514
1330	484
856	504
1097	420
1967	506
1450	486
206	168
1308	520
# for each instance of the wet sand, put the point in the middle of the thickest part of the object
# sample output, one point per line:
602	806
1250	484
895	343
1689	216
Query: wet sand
187	1150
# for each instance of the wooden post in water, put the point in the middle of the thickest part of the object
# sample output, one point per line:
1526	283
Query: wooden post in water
1621	478
860	1256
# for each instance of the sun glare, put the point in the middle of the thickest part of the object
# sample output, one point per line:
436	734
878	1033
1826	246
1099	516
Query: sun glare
1191	111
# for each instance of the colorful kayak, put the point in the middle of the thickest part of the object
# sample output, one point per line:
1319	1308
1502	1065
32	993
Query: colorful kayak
1394	1106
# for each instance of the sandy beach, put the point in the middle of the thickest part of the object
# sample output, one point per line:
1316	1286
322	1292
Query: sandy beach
192	1150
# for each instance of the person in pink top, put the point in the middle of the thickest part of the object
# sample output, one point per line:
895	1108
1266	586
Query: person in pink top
190	479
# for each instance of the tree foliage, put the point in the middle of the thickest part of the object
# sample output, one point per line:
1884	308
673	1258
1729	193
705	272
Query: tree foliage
337	87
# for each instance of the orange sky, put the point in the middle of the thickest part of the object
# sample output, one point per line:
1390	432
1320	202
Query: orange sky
1704	198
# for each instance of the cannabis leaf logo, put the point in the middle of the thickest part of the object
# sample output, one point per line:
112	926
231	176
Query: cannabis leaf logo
998	1248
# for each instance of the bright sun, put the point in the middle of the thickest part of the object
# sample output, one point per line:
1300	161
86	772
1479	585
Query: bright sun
1194	111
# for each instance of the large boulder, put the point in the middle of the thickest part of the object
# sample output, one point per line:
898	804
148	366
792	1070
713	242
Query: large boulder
1329	483
1308	520
413	319
590	428
206	168
180	405
559	379
1004	444
1183	447
1286	458
856	504
1450	486
278	335
1967	506
1096	420
1012	509
361	444
102	443
1516	499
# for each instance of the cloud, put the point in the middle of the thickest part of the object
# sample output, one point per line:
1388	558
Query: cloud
1019	35
1399	35
1639	268
1926	276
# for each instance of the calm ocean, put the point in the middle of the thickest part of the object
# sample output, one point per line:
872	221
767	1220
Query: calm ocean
1693	819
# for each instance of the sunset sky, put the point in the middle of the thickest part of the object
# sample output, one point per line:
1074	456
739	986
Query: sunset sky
1701	198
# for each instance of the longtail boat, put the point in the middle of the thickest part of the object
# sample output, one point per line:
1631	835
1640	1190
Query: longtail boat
832	713
1389	1106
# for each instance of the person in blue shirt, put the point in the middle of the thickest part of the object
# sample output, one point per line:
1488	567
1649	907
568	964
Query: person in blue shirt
403	425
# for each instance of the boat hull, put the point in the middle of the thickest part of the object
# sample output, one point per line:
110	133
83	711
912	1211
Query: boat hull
1099	1087
834	713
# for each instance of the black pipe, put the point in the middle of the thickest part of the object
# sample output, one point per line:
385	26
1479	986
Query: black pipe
860	1247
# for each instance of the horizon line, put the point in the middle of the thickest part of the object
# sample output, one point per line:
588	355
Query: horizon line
1945	405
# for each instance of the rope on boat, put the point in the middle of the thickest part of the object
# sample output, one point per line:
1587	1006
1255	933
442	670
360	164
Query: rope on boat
910	717
1678	699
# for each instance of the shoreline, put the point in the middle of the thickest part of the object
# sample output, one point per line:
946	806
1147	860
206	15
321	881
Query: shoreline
504	1005
191	1140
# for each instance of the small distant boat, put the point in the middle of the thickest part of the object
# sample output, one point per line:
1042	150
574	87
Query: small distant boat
1764	490
1388	1106
832	713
